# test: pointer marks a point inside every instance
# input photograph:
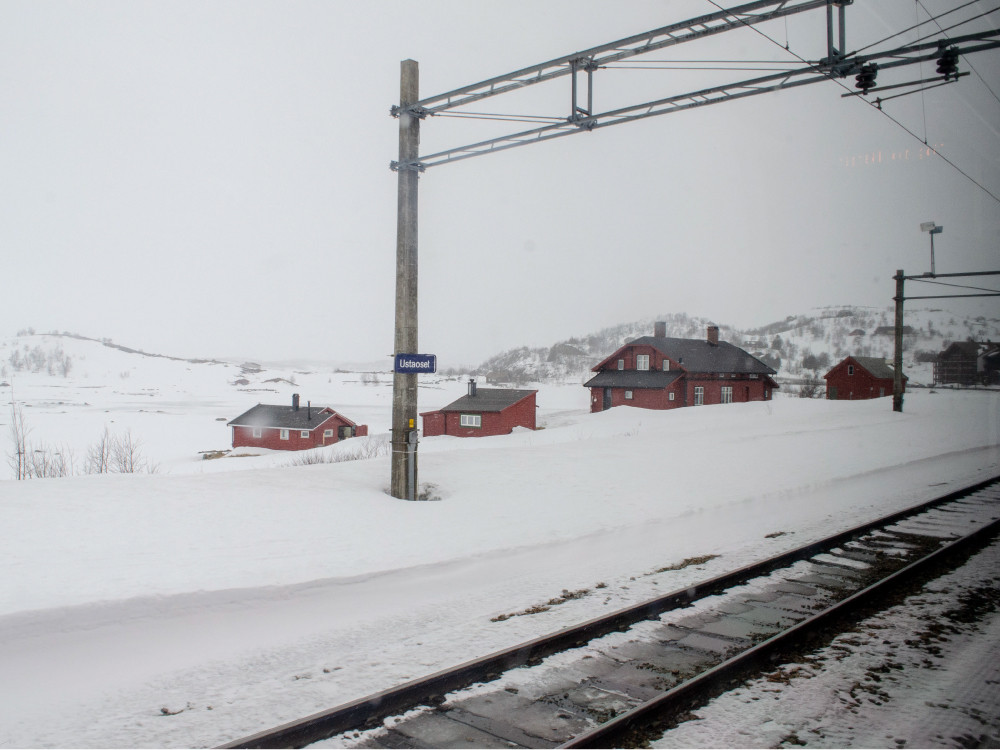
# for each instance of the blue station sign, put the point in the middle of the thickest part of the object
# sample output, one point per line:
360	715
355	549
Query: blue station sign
415	363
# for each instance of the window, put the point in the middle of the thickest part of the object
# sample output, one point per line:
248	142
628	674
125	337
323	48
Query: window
628	395
699	395
283	434
672	394
327	433
642	362
257	432
303	433
727	394
850	369
621	364
753	376
666	365
471	420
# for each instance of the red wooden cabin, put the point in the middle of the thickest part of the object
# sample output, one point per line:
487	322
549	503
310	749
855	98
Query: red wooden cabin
482	412
292	428
856	378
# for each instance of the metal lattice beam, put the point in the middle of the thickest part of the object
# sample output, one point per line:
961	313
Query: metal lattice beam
666	36
803	76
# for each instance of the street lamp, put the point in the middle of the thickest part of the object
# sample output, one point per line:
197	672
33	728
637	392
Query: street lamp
932	229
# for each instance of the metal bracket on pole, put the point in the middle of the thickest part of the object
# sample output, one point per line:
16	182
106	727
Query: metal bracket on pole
578	115
835	61
413	166
413	110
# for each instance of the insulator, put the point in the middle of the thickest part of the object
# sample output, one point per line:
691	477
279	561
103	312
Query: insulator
865	79
947	64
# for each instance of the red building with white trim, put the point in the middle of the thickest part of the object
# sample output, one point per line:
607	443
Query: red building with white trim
292	428
482	412
657	372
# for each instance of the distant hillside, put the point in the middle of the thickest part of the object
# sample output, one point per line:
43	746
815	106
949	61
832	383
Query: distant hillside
800	347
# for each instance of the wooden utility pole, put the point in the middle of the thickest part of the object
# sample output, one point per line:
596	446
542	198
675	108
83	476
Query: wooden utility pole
897	359
404	385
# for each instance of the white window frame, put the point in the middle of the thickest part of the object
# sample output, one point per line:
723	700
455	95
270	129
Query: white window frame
642	361
727	394
628	395
666	365
850	369
283	435
621	364
257	432
699	395
303	433
672	394
471	420
327	433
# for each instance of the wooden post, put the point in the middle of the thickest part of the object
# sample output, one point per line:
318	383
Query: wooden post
403	483
897	360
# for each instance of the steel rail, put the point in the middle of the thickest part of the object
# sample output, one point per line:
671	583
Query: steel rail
366	712
702	687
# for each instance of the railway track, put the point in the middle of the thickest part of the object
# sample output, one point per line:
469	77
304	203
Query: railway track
610	681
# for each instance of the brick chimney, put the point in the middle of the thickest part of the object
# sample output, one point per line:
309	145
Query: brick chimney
295	402
472	387
660	329
713	335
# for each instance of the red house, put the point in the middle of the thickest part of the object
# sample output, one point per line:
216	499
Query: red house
657	372
856	378
482	412
291	428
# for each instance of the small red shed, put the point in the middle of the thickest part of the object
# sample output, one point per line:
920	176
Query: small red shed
856	378
292	428
482	412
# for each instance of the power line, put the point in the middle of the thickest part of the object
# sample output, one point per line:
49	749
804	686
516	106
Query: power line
957	286
916	26
875	104
965	58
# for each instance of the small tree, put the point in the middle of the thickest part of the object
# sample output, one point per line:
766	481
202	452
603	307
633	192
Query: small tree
18	457
126	455
99	455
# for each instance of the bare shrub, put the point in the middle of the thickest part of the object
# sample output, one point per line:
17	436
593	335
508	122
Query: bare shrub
361	449
118	454
99	455
18	457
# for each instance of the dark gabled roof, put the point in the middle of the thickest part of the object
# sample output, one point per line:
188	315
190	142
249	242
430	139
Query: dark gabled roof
633	379
698	355
488	399
877	367
285	417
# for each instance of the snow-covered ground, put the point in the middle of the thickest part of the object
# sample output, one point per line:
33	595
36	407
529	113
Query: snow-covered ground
211	599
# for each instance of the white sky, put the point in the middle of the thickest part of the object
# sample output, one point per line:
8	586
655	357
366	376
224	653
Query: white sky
212	179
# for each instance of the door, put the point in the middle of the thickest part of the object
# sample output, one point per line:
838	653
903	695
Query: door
607	399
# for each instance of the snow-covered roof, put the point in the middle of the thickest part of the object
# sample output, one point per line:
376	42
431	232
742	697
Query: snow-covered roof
286	417
699	355
488	399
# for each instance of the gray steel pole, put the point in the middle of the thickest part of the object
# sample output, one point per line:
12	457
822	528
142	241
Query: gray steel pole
897	360
403	483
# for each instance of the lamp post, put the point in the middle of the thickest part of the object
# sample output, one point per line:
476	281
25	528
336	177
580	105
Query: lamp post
931	228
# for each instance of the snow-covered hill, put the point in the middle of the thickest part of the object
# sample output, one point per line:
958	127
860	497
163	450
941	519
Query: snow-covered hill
798	347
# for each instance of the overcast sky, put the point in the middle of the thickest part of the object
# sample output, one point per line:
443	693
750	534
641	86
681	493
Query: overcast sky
212	178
